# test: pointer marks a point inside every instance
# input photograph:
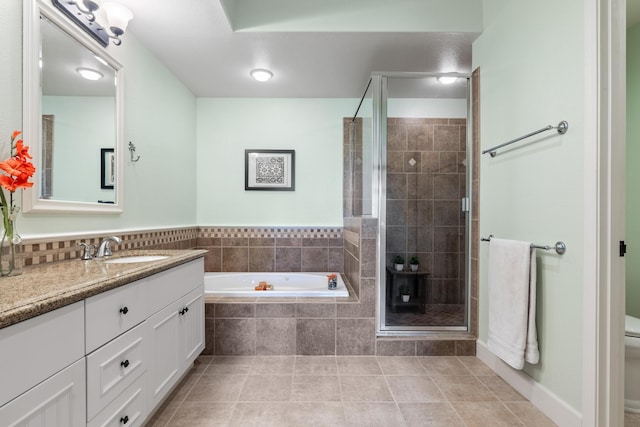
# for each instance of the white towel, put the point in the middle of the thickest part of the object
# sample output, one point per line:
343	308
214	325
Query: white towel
512	302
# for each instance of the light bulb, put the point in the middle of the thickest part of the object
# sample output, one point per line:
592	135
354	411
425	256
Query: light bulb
261	75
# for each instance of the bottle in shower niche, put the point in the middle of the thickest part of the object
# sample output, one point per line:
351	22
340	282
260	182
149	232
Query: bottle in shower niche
332	281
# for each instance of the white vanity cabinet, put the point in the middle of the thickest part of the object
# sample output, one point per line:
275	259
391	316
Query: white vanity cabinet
107	360
145	335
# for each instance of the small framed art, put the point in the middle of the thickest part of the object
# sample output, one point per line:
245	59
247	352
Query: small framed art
107	168
272	170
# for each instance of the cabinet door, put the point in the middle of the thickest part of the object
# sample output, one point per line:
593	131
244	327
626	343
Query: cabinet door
192	327
164	352
57	402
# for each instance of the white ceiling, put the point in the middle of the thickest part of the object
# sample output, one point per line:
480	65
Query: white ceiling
194	40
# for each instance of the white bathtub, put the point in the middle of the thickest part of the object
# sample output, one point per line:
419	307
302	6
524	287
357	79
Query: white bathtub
284	285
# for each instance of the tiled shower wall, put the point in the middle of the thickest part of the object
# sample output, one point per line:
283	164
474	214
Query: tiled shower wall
426	179
352	167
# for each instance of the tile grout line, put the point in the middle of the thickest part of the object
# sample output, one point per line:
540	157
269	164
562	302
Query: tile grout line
492	392
187	392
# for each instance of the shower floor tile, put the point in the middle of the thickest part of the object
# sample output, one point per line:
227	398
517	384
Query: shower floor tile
434	315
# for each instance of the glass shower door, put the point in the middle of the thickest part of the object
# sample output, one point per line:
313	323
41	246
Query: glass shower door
423	265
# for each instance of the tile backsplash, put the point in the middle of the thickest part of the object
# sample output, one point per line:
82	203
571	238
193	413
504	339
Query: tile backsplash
282	249
40	251
230	248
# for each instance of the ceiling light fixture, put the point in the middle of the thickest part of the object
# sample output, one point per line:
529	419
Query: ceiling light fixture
261	75
89	73
88	13
447	80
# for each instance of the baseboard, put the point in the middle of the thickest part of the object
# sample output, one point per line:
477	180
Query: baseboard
541	397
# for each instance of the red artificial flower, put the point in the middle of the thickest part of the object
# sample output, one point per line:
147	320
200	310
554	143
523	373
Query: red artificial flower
17	167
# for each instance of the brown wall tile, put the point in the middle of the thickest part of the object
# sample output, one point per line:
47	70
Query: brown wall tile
235	337
262	259
355	337
275	337
313	310
395	348
288	259
275	310
235	259
435	348
316	336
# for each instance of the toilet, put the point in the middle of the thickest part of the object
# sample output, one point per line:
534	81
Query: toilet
632	364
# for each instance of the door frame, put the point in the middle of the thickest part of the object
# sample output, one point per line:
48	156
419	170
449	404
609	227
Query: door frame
603	299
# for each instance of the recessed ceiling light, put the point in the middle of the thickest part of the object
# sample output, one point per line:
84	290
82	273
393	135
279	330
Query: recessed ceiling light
89	74
261	74
447	80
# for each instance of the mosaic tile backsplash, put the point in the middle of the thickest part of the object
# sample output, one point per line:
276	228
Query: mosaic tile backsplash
40	251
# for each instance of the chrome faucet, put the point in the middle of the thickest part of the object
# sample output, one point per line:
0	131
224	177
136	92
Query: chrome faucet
86	252
105	247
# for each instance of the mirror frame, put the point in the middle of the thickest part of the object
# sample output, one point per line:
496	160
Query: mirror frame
32	116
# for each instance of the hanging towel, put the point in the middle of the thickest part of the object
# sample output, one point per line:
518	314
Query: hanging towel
512	302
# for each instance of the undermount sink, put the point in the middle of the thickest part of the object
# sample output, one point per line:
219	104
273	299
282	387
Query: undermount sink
136	258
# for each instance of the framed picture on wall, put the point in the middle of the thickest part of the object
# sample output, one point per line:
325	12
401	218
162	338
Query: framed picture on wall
107	168
272	170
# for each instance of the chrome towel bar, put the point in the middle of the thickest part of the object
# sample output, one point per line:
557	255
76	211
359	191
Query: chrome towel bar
562	127
559	247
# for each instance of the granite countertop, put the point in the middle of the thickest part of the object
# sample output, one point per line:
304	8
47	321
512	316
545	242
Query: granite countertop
46	287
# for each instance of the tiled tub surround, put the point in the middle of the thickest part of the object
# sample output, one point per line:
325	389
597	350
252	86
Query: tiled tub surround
333	326
267	249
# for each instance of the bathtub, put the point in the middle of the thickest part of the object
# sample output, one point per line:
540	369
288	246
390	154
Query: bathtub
284	285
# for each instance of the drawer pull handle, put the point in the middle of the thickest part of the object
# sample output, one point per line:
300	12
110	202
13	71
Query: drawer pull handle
124	310
124	419
125	364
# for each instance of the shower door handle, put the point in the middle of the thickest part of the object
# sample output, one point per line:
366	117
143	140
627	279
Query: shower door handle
464	203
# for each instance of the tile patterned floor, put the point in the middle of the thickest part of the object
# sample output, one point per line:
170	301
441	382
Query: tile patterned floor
348	391
435	315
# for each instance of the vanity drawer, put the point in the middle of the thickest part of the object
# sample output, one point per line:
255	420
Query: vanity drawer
113	312
128	409
115	366
35	349
166	287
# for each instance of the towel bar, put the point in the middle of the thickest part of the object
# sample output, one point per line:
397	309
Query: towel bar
562	128
559	247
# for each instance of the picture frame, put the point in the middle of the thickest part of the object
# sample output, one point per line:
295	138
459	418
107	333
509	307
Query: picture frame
107	168
269	170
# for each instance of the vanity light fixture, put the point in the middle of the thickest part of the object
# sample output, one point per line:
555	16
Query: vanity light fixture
261	75
447	80
89	73
88	14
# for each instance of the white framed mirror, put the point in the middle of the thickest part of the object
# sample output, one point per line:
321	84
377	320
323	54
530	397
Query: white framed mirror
72	124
